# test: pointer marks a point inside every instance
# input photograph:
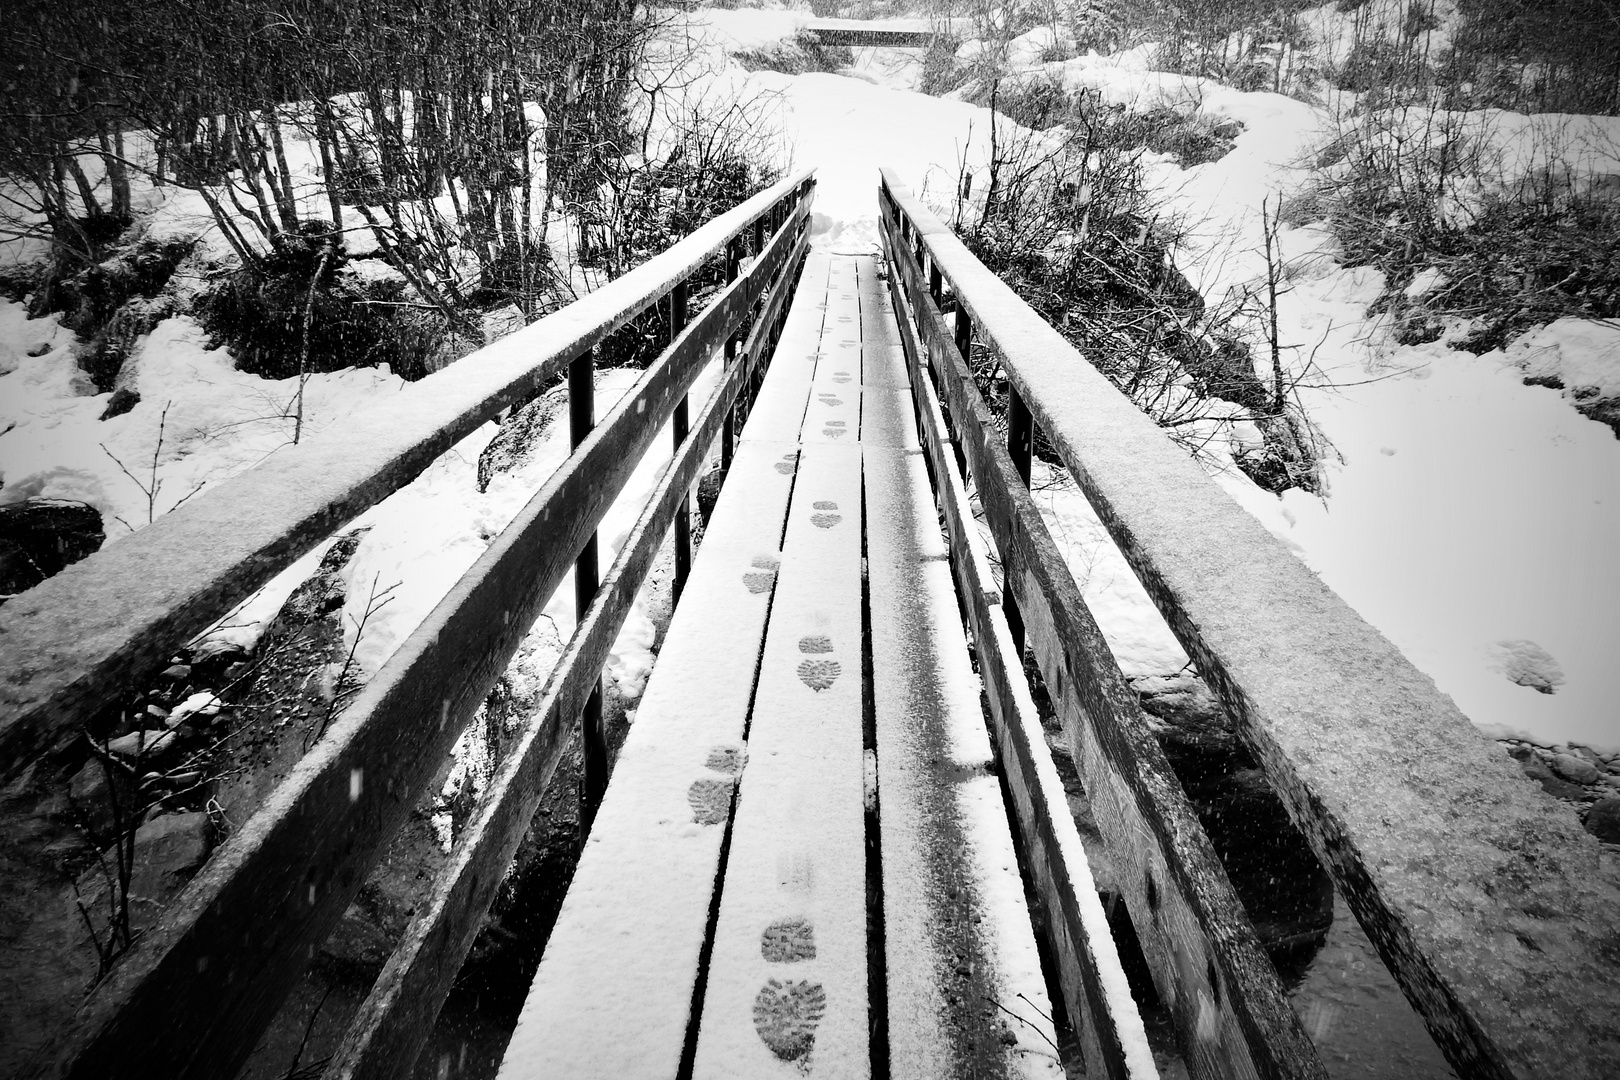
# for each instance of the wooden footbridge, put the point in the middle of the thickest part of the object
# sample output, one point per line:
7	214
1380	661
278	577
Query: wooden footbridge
834	843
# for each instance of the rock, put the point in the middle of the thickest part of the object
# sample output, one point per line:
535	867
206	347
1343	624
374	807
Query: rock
122	400
199	707
1527	664
40	536
708	492
177	672
1185	714
1603	820
212	657
1551	784
93	797
1577	770
521	435
323	591
168	850
1521	752
140	743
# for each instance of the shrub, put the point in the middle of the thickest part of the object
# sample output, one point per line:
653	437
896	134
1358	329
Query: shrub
1068	222
260	317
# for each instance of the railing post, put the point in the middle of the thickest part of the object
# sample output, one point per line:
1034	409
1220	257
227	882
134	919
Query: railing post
679	425
581	419
1021	448
964	345
728	434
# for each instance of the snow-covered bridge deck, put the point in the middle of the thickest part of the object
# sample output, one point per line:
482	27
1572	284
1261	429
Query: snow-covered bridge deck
804	832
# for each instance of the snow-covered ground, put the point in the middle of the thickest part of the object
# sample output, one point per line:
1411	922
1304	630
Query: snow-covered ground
1473	519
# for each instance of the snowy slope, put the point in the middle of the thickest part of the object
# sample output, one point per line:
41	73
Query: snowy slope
1468	513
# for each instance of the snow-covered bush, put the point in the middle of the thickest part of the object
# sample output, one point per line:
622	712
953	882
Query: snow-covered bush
1514	217
1068	219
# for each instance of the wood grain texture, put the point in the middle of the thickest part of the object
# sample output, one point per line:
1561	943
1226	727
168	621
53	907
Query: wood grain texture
1493	908
1232	1017
192	997
1094	1015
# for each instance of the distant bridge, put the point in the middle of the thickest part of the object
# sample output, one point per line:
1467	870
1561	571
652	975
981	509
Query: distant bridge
810	854
893	33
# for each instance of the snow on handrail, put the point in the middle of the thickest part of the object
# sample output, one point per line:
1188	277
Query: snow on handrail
65	644
1491	905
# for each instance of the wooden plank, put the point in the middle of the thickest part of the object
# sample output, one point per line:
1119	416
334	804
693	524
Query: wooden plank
888	413
69	643
193	996
833	413
966	994
624	953
882	356
779	409
1232	1017
787	983
1098	1002
398	1015
1372	761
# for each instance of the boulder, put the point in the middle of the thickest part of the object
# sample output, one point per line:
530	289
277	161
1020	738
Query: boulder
1577	770
522	432
40	536
1603	820
168	851
1550	783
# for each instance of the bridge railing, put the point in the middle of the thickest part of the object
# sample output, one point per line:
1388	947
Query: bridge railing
1492	907
193	995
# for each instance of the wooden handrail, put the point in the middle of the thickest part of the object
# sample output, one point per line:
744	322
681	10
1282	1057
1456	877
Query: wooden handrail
193	995
68	643
1493	908
396	1019
1231	1013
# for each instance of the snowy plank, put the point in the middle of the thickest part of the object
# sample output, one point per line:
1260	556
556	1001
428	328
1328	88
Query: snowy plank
1440	847
397	1016
787	984
613	994
778	410
193	995
966	995
771	319
833	413
888	413
67	643
1096	994
883	360
1232	1018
